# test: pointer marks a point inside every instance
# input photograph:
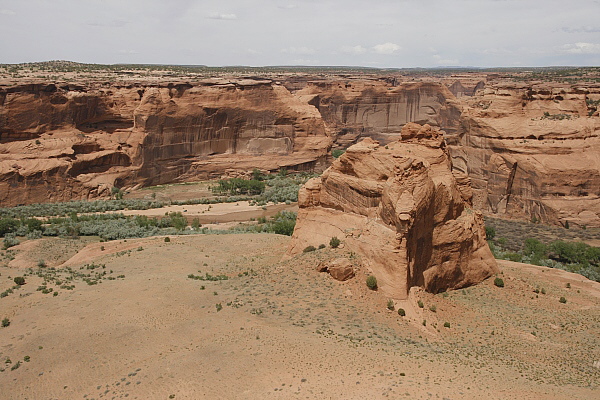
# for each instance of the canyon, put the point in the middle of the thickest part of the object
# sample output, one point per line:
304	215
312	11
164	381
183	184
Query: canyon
530	146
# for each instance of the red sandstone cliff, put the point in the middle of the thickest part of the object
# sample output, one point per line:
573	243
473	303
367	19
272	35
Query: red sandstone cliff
70	142
532	151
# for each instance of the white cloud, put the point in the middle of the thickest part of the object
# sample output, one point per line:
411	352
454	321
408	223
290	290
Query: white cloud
229	17
439	60
127	52
583	29
253	52
582	48
298	50
358	49
386	48
4	11
303	61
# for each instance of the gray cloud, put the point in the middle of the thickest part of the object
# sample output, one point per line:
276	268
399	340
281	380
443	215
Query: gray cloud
386	48
385	33
583	29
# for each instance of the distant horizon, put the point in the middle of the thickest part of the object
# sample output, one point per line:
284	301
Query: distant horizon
470	67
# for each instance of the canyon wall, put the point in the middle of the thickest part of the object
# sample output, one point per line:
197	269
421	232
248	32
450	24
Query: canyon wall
379	109
76	142
532	152
531	149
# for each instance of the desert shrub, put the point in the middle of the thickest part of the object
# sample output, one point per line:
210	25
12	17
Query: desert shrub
235	186
336	153
446	324
322	246
283	223
562	300
510	256
420	304
35	234
8	225
116	193
433	308
490	233
78	207
167	239
308	249
10	240
5	322
32	224
390	305
196	223
257	175
535	250
335	242
401	312
372	282
219	307
499	282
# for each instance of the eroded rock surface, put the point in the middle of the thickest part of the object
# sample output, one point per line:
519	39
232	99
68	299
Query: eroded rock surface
532	152
403	210
77	142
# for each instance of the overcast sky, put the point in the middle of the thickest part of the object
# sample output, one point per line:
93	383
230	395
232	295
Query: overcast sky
375	33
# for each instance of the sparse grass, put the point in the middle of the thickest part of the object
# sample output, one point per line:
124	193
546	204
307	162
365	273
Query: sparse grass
390	305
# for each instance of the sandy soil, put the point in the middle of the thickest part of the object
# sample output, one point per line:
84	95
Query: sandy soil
146	330
218	213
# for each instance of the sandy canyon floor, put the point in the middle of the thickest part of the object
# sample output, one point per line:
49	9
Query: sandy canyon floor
278	329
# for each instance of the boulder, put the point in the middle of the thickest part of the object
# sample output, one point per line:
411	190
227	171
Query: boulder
401	209
340	269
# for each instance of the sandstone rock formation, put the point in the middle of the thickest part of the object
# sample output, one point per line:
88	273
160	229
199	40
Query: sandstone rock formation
340	269
532	152
63	142
400	207
531	149
352	109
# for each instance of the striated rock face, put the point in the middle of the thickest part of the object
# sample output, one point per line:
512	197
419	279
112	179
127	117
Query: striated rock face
532	152
75	142
402	209
378	108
